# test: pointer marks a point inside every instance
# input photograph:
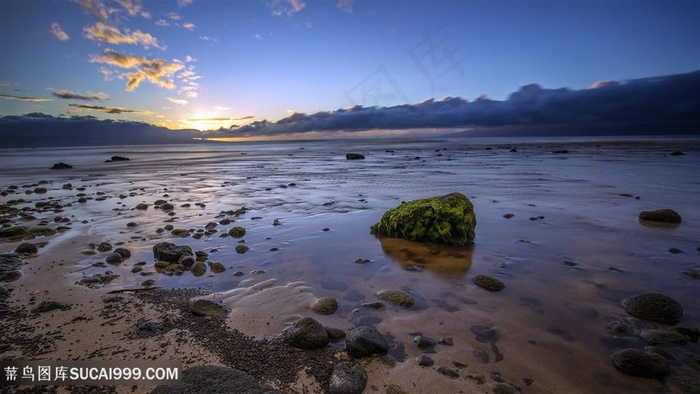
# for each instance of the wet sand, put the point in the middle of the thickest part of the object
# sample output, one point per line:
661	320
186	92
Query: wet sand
571	252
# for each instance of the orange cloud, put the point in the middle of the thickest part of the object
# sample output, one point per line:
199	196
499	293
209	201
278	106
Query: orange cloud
156	71
112	35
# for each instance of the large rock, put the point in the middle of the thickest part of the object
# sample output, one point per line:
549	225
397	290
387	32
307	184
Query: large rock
365	341
655	307
306	333
166	251
661	215
27	248
637	362
215	380
448	219
347	378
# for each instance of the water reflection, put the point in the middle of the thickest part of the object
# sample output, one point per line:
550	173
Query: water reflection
441	259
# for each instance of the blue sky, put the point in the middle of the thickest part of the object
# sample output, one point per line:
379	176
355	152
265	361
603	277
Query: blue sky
207	64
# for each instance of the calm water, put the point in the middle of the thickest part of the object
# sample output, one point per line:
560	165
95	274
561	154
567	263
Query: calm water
565	273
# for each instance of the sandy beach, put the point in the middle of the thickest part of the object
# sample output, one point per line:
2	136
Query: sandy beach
558	224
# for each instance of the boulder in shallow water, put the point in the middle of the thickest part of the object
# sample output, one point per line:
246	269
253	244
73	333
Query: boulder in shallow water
61	166
365	341
347	378
448	219
306	333
637	362
661	215
354	156
488	282
655	307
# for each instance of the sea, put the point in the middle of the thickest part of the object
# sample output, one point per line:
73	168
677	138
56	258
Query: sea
557	223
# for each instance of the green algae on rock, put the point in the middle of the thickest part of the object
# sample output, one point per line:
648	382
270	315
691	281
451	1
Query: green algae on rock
448	219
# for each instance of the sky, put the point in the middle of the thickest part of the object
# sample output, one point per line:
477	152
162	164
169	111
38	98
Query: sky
267	64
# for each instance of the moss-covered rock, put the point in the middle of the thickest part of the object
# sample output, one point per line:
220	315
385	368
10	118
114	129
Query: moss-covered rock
397	297
237	232
325	305
13	232
448	219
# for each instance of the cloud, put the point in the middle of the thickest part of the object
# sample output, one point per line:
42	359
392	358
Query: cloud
132	6
111	110
189	26
21	98
189	59
184	3
96	8
58	32
174	16
177	101
156	71
285	7
207	119
41	130
345	5
69	95
207	38
221	108
112	35
245	117
162	23
664	104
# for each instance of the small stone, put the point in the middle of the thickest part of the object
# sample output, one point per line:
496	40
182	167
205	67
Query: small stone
424	342
241	249
449	372
325	305
216	267
508	215
354	156
113	258
237	232
207	308
362	261
125	253
335	333
637	362
446	341
347	378
142	207
104	247
488	282
425	361
397	297
198	268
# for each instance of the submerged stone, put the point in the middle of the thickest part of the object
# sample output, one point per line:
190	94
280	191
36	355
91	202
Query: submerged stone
656	307
397	297
448	219
637	362
325	305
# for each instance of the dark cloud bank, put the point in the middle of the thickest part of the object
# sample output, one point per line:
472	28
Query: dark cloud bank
659	105
41	130
666	105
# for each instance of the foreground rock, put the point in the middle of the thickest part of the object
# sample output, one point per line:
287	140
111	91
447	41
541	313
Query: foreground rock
637	362
9	267
347	378
27	248
365	341
306	333
655	307
661	215
215	380
448	219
